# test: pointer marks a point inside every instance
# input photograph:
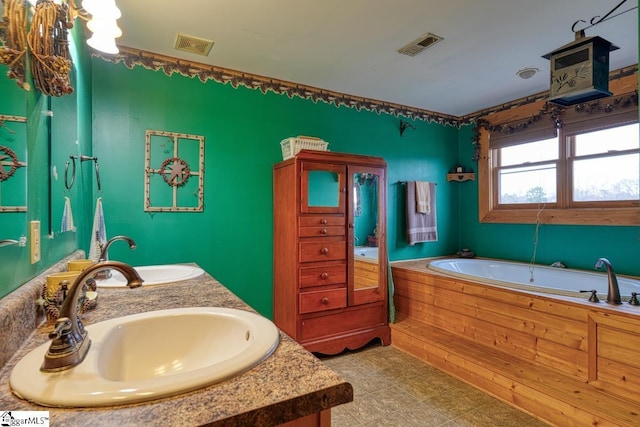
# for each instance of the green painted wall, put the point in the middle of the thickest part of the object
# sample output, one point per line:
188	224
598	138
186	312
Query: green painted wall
232	239
576	246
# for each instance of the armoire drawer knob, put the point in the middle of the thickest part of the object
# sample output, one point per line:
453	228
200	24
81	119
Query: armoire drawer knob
323	231
324	251
324	276
324	301
323	221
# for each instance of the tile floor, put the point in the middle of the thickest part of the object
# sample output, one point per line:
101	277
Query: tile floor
393	388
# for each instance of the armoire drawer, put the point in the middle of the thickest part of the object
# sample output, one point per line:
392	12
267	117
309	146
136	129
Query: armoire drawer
321	231
333	274
323	251
311	302
349	321
321	221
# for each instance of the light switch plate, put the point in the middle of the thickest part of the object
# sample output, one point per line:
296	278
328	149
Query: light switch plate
34	231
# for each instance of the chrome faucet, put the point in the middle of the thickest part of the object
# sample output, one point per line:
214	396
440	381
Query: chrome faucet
69	340
613	294
104	250
104	254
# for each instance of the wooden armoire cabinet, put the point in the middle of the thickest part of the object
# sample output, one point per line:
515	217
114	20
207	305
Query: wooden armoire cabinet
330	250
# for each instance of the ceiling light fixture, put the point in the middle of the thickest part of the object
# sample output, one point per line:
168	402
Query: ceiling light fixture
101	16
527	73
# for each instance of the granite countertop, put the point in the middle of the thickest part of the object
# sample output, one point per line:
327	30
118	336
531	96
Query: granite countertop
290	384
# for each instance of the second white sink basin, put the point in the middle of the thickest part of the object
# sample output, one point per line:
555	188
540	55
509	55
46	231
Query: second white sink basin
154	275
151	355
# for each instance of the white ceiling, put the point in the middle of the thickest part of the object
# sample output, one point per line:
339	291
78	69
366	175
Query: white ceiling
350	46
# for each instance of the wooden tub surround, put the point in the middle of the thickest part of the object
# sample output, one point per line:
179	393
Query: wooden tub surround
566	361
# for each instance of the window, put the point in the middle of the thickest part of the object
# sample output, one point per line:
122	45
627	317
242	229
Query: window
605	165
527	173
586	171
600	168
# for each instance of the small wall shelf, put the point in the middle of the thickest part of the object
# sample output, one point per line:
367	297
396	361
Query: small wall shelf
459	177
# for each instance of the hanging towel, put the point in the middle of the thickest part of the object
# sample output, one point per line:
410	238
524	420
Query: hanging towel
390	285
423	197
98	233
67	217
421	227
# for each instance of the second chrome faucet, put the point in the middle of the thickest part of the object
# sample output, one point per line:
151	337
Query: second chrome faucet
613	292
104	250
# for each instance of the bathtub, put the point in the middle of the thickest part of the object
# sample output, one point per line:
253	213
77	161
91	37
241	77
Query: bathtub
539	278
366	253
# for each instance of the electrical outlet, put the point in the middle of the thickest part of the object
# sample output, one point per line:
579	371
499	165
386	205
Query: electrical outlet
34	227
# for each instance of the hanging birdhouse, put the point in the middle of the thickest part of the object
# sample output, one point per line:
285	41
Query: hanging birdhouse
580	70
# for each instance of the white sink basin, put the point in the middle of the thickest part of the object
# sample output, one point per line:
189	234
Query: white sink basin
154	275
151	355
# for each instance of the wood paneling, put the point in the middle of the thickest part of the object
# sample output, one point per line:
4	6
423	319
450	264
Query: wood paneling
568	363
616	368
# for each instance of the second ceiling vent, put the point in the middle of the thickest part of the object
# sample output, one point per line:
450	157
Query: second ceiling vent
193	44
420	44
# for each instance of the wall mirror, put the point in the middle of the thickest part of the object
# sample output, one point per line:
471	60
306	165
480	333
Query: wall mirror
65	172
52	123
367	237
13	176
13	159
13	154
324	185
365	230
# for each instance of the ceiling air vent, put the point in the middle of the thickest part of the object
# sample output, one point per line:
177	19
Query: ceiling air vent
193	44
420	44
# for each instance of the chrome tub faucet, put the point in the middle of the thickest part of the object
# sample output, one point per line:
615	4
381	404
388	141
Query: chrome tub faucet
613	294
69	340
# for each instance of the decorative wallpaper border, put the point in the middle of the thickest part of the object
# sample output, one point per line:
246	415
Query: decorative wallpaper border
169	65
541	96
152	61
